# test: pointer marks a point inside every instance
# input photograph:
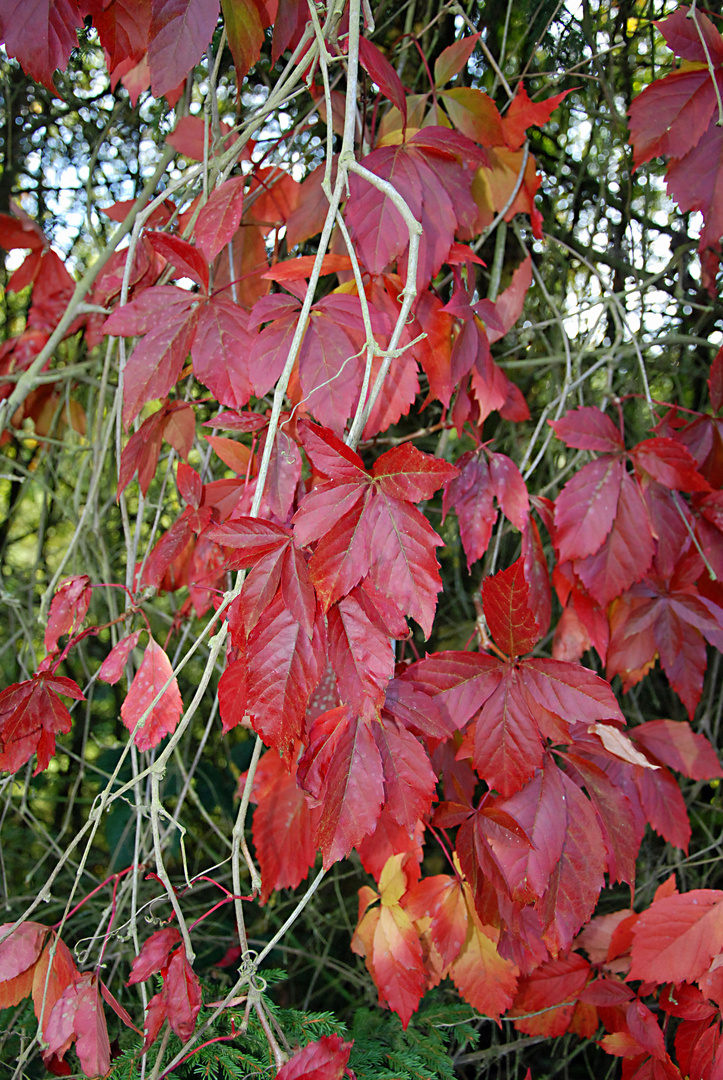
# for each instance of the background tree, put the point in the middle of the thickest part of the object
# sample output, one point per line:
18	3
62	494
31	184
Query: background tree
556	282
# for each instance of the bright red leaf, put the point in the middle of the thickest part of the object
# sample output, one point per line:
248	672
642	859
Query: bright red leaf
505	601
677	937
366	524
159	719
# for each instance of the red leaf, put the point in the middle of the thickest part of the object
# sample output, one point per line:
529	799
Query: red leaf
300	267
19	953
182	256
409	780
182	992
67	610
113	666
664	806
471	495
614	815
627	551
361	655
283	826
537	576
585	508
176	422
675	940
278	669
41	36
220	217
670	463
189	135
31	714
406	473
179	34
552	984
675	744
383	74
577	877
322	1060
683	35
153	674
431	173
342	769
221	350
154	955
385	536
505	600
156	362
78	1015
509	304
588	428
504	742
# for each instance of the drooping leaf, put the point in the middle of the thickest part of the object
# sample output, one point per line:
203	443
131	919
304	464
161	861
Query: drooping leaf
220	217
78	1016
220	351
278	668
585	508
41	35
342	769
588	428
383	74
388	941
283	826
675	744
160	719
366	525
68	608
245	29
179	34
167	316
154	955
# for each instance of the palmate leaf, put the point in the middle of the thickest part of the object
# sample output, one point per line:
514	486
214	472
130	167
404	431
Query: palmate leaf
432	172
31	715
365	523
656	617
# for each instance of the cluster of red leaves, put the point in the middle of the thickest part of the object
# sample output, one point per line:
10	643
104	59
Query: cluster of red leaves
35	962
677	117
179	1001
